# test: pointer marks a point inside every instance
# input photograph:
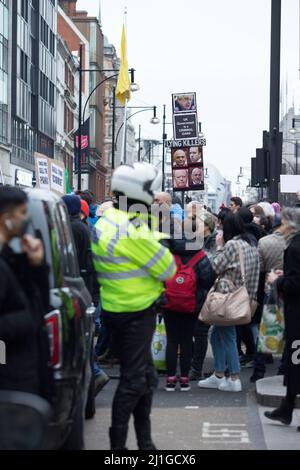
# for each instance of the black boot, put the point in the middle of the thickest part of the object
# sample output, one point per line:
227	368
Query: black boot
143	435
283	414
118	436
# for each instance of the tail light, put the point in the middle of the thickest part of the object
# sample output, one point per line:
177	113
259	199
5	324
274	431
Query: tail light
54	327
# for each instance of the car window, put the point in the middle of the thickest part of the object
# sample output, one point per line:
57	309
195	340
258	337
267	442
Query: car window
67	248
41	226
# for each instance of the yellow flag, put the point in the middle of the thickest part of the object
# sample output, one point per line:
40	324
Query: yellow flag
123	86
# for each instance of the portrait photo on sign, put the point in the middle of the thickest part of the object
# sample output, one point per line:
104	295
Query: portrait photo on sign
180	178
179	158
196	176
183	103
195	155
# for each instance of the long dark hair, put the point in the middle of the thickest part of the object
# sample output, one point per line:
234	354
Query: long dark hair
233	226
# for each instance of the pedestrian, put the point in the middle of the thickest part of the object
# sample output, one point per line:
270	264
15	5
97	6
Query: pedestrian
221	217
226	265
254	231
180	325
168	222
84	211
245	332
288	284
24	301
235	204
270	250
269	213
132	264
210	234
89	197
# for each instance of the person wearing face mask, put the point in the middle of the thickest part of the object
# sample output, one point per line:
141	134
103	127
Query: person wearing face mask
24	299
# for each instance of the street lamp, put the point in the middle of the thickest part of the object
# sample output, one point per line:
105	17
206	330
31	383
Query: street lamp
142	109
293	129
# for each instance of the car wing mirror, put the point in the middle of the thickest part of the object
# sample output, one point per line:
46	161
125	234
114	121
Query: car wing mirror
24	421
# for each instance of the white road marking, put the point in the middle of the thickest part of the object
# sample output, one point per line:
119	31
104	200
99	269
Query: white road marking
218	432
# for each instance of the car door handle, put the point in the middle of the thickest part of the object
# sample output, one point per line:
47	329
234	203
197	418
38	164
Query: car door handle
90	311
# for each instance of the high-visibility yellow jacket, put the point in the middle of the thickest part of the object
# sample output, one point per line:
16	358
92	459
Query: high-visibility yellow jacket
131	263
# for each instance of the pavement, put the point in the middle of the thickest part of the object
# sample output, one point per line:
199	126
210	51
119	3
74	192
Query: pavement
202	419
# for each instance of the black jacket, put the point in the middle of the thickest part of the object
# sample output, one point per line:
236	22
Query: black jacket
289	285
82	239
24	300
204	272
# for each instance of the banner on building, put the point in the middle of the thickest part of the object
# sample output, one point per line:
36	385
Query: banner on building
50	174
85	148
187	168
185	119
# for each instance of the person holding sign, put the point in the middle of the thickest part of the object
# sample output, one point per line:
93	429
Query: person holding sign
179	159
180	179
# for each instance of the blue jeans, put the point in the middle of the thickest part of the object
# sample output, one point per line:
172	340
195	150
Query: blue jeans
224	346
97	369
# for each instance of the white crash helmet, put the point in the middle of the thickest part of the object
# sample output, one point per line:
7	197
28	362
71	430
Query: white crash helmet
138	182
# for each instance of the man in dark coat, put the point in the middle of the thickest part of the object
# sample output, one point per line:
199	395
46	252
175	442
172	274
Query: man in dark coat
24	299
288	283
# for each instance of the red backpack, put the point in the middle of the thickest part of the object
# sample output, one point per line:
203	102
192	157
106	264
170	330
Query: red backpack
181	289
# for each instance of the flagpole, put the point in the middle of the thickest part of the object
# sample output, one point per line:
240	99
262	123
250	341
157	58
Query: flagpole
123	152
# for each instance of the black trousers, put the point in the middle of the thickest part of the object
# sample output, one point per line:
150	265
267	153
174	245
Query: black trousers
180	329
200	346
132	336
244	334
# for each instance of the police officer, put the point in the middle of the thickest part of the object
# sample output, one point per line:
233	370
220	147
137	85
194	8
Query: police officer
132	265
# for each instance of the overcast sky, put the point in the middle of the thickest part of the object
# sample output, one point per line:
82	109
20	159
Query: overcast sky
219	49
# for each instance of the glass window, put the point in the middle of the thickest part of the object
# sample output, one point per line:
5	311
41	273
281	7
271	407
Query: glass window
24	9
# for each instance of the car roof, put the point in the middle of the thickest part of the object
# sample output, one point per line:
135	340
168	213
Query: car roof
42	195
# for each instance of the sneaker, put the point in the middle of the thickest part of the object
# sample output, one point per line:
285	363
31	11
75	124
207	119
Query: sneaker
184	384
231	385
171	384
211	382
100	382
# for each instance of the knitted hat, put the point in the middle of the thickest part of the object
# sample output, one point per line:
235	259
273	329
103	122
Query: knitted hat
85	208
209	221
73	204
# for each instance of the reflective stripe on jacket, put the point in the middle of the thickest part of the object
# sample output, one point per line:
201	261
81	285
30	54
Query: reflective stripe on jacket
130	262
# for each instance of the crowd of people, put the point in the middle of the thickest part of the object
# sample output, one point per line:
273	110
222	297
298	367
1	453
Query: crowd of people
135	266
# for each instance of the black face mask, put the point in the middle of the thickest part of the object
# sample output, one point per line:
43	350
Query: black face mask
18	229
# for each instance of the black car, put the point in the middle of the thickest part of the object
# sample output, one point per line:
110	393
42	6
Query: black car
70	322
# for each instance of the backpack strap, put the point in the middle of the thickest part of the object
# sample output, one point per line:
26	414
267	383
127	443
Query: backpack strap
177	260
196	258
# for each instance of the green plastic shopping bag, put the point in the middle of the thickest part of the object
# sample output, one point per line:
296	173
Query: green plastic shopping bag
159	344
271	331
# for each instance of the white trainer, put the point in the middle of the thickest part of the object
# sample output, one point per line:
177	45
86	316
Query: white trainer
211	382
231	385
